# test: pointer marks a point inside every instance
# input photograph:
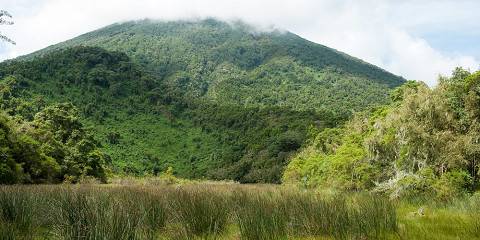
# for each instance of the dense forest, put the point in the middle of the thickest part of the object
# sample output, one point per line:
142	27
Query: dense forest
210	99
235	64
53	147
425	142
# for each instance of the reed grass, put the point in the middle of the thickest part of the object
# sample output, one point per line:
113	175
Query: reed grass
16	212
261	216
194	211
201	212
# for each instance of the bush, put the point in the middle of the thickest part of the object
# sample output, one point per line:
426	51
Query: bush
452	185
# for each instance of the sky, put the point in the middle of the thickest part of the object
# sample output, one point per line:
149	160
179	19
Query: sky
416	39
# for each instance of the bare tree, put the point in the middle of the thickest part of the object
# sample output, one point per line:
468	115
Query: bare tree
4	15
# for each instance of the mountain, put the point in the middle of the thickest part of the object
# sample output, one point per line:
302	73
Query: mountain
212	99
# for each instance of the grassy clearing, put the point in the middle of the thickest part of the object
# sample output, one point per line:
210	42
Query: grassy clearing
450	221
222	211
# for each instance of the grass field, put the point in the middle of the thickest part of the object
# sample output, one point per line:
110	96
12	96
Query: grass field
222	211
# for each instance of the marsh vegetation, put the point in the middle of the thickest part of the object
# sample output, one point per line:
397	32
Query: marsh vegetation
223	211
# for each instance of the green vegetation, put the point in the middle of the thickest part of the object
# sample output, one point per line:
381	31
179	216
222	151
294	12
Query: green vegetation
53	147
211	99
195	49
189	212
225	211
426	142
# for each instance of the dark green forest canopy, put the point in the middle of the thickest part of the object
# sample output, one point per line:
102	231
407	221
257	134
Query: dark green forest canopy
211	99
53	147
167	47
234	63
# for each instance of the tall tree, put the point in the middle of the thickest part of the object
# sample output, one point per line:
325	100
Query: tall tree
4	15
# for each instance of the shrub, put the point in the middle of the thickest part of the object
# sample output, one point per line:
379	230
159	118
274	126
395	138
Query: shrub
452	185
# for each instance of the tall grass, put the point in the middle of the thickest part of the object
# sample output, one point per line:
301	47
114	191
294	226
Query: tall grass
99	213
16	212
93	215
291	213
200	212
154	206
314	215
261	216
196	211
8	232
371	217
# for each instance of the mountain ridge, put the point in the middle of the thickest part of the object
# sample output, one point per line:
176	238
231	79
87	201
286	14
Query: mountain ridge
234	25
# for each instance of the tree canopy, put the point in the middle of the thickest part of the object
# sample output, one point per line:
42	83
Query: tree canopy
425	142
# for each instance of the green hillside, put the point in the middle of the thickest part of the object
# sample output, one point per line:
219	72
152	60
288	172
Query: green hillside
234	63
211	99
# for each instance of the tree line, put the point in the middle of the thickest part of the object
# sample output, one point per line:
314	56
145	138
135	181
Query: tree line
426	142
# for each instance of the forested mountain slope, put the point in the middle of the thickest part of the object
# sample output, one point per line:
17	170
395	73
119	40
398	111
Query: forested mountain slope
234	63
209	98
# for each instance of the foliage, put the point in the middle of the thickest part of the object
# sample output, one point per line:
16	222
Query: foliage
424	142
192	211
22	159
54	147
234	63
210	99
201	212
65	139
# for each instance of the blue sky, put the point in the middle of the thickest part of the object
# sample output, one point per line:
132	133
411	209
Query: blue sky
417	39
454	42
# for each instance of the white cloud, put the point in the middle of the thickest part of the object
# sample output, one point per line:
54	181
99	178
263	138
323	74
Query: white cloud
380	32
